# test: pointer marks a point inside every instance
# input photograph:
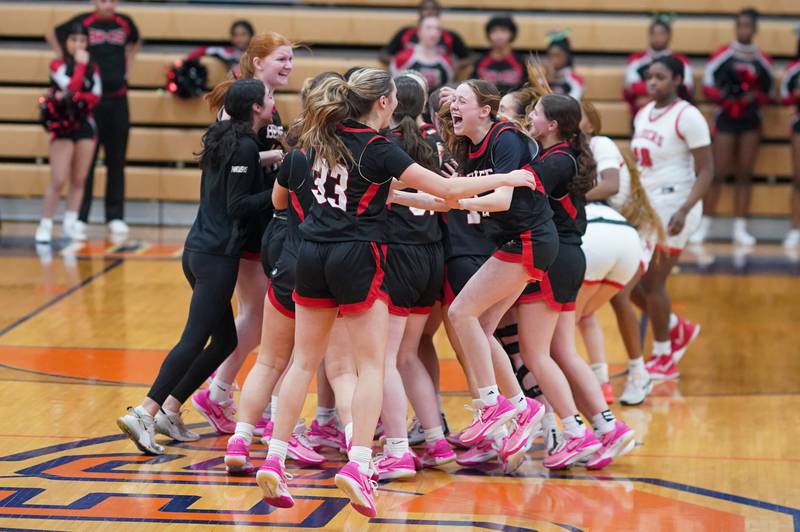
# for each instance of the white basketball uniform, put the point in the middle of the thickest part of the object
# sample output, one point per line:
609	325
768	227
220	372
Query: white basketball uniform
662	144
612	247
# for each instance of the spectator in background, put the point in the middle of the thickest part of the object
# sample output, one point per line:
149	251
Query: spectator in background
450	42
790	95
113	44
241	33
74	82
739	80
659	35
426	56
501	65
559	65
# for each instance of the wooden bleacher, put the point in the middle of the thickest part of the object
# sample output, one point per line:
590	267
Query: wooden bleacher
167	130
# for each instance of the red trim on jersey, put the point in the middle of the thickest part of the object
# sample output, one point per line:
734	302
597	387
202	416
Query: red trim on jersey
545	294
394	310
448	296
566	202
590	282
669	249
90	19
485	142
348	129
608	282
677	121
368	196
555	149
528	261
539	185
665	112
375	290
424	311
314	302
121	21
296	206
277	304
250	255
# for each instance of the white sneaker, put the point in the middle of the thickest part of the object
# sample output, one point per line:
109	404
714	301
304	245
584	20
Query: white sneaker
141	430
172	425
740	234
637	387
74	231
792	239
118	227
699	236
416	435
44	232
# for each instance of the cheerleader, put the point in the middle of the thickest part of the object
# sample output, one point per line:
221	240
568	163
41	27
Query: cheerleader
241	33
738	79
231	190
672	147
74	82
635	88
269	58
426	57
790	95
501	65
340	264
559	63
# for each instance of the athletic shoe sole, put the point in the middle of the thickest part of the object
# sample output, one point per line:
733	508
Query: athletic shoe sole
678	355
612	453
128	432
436	462
513	462
269	482
357	499
398	474
576	458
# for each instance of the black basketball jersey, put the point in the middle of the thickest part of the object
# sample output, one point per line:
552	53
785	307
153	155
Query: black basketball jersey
350	199
555	169
295	176
410	225
502	150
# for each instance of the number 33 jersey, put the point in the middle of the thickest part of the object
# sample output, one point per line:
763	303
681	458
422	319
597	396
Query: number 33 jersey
662	144
350	199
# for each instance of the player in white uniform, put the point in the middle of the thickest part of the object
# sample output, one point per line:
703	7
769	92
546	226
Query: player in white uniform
616	256
672	147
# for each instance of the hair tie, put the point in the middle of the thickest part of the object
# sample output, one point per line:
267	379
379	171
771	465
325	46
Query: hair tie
555	36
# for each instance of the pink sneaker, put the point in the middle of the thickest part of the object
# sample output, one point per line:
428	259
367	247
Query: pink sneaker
608	392
358	487
301	450
487	419
438	454
266	432
480	453
237	456
261	424
271	478
455	441
394	468
220	415
525	423
615	443
572	450
683	334
327	435
664	369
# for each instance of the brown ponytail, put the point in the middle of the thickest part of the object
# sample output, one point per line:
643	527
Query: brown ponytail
567	112
410	104
637	208
458	146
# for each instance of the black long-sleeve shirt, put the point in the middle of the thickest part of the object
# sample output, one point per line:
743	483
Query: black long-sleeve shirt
229	196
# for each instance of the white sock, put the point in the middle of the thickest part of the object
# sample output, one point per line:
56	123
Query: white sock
362	456
220	391
278	448
573	426
519	402
636	366
396	447
433	435
489	395
144	413
740	224
267	413
348	433
601	372
70	217
662	348
273	407
46	222
245	430
604	421
550	420
325	414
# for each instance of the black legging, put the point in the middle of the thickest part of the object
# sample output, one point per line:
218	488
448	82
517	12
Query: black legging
113	125
190	363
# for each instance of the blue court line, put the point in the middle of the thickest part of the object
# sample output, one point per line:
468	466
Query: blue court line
60	297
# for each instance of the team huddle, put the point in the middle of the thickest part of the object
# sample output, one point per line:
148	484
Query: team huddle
384	212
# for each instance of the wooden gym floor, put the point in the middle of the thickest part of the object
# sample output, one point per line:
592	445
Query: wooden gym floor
83	331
